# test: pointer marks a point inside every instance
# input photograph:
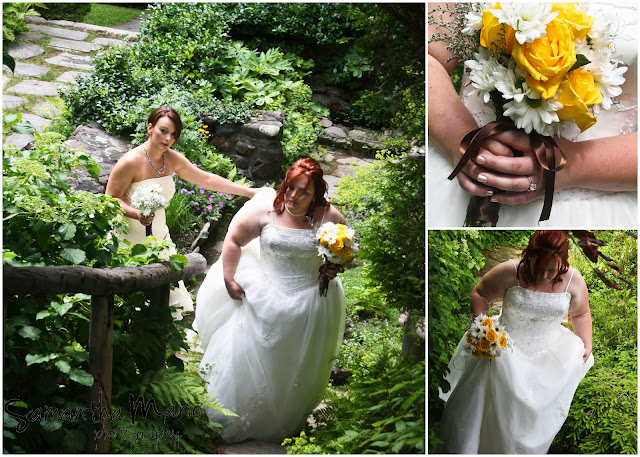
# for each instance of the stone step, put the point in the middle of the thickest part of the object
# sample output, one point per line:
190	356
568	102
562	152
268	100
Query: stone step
46	109
58	32
5	81
38	122
69	77
24	50
71	61
30	87
12	101
19	140
27	69
108	42
30	36
72	45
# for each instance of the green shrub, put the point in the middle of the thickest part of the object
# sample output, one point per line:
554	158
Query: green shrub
603	414
73	12
13	22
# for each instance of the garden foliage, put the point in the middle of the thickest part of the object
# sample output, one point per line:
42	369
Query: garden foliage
46	222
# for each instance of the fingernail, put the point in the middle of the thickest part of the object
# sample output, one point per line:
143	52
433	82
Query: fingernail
482	178
489	193
480	160
493	200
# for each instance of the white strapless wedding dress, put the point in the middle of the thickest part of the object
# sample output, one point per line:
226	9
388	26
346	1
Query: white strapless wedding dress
574	207
179	297
517	402
268	357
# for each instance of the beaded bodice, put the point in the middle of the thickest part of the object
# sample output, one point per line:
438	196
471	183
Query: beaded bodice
533	319
290	257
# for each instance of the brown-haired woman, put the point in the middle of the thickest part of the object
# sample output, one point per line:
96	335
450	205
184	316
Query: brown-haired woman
155	162
517	402
269	336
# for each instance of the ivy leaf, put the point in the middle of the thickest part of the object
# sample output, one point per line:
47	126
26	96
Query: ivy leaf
73	255
63	366
30	332
178	261
42	314
138	249
67	231
37	358
51	424
81	377
61	308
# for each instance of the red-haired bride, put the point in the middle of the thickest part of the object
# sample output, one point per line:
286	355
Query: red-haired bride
269	336
517	402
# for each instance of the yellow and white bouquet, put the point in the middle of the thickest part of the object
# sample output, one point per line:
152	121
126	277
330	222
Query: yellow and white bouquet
487	337
336	243
542	67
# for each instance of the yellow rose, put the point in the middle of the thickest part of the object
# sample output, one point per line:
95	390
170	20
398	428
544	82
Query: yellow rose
578	92
502	342
579	22
487	322
547	60
496	36
346	254
491	335
469	340
484	346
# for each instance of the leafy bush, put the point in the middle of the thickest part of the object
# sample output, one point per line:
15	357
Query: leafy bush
385	204
13	22
73	12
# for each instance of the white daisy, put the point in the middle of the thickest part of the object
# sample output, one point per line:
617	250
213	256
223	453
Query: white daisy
529	20
473	20
609	78
511	83
533	113
485	71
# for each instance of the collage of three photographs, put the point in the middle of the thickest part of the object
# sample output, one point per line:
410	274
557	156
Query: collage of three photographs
532	228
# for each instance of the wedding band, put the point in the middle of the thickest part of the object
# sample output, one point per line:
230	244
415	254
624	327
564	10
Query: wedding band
532	186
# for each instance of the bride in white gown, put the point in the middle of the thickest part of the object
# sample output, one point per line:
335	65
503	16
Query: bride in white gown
138	168
269	337
608	196
517	402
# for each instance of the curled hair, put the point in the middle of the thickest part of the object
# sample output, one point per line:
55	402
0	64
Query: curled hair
169	112
544	246
312	170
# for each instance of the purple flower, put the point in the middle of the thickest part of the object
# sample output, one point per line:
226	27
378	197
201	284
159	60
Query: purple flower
201	190
221	204
221	193
364	323
229	197
211	199
209	207
335	370
184	191
179	180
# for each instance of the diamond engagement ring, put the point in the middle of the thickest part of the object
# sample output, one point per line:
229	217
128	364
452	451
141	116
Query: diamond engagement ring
532	186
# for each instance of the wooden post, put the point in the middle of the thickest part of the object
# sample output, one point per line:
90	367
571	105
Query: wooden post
100	367
160	300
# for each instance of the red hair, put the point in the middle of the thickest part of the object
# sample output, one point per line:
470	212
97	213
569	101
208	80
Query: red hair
312	170
169	112
544	246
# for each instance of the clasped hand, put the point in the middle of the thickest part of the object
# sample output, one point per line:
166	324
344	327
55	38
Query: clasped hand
505	169
146	220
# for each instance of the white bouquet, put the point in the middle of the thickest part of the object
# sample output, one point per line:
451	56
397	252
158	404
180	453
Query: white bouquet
336	243
148	199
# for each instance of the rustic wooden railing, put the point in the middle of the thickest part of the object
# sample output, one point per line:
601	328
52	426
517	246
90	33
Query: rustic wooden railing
102	285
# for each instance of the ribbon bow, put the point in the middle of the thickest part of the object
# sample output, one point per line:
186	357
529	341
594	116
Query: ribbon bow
546	150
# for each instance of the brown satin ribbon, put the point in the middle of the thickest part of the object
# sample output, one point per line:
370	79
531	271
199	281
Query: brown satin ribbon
546	150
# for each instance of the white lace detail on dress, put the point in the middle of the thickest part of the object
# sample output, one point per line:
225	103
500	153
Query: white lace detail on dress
286	257
533	319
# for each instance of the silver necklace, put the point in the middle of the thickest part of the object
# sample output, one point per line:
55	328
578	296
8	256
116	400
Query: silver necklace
164	161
